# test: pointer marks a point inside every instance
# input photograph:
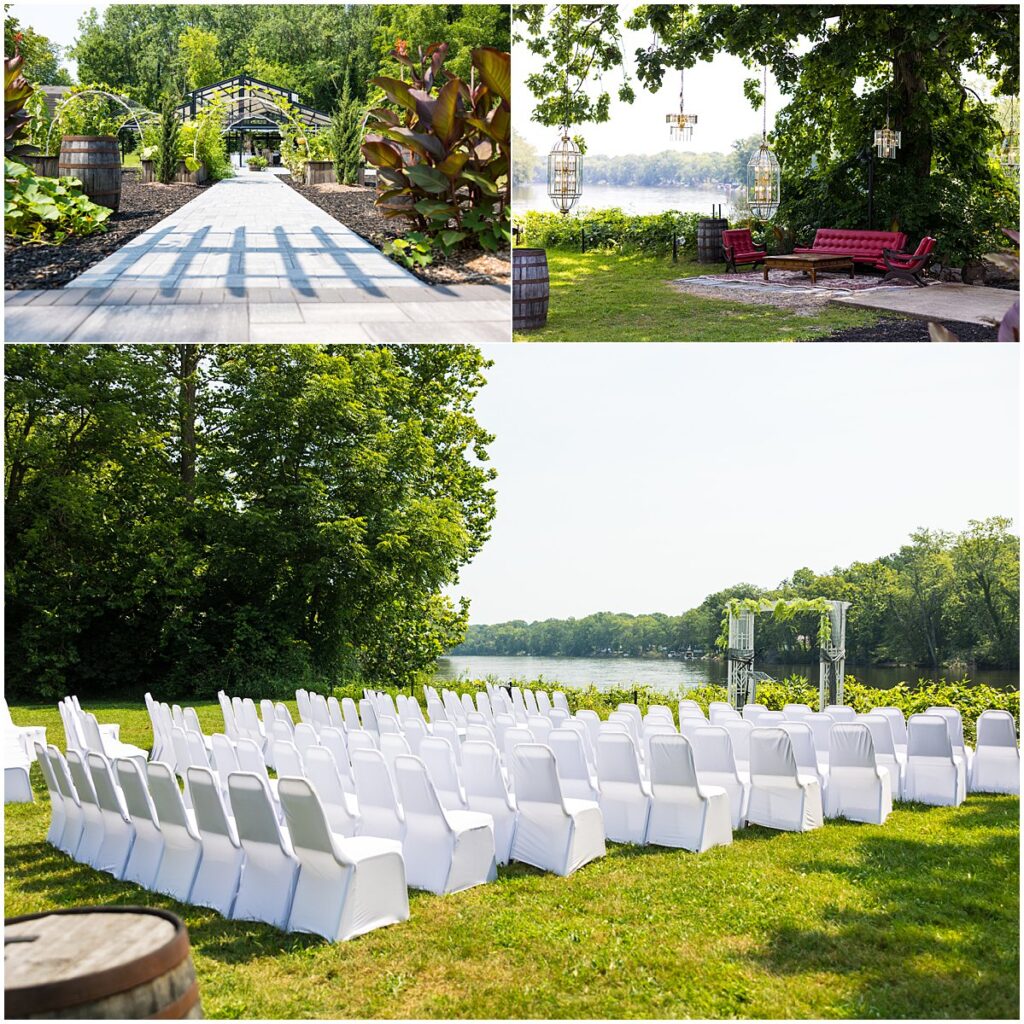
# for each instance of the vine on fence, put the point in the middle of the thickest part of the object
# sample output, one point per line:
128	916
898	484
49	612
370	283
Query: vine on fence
782	610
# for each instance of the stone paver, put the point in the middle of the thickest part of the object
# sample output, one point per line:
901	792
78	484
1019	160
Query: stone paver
945	301
252	260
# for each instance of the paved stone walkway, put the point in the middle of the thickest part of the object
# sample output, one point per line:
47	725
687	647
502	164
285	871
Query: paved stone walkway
943	301
252	260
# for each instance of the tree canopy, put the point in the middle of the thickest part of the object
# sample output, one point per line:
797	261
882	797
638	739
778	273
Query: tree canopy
182	518
941	596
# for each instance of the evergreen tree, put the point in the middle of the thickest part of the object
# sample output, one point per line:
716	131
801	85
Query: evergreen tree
345	136
167	150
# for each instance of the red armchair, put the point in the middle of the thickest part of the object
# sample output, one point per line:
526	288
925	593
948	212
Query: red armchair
738	245
903	266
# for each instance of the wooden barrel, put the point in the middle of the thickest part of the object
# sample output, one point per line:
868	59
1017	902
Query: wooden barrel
96	161
529	289
100	963
320	172
709	239
148	170
44	166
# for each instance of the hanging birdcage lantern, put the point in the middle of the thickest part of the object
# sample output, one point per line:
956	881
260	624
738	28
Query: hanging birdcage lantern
764	173
887	141
565	173
681	124
1009	149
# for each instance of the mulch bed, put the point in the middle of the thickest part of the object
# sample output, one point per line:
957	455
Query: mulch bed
37	265
897	329
352	205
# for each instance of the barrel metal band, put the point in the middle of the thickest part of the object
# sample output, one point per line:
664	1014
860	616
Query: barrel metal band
177	1009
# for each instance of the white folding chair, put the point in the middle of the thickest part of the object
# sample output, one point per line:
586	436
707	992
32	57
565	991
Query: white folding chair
820	725
657	726
148	848
58	812
158	751
780	796
228	714
250	759
560	701
995	767
333	739
553	833
271	868
885	751
859	789
436	711
513	737
502	724
955	728
571	761
350	714
437	755
287	760
225	757
305	737
445	850
118	827
346	886
898	725
625	797
483	705
468	706
179	744
337	720
391	745
416	731
934	774
739	736
715	764
282	714
593	723
539	726
340	807
304	706
74	823
219	861
487	792
182	848
530	700
447	731
685	811
803	750
519	709
380	813
543	702
368	713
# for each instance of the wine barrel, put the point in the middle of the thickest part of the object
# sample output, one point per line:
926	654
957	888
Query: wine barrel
44	166
529	289
99	963
320	172
709	239
96	161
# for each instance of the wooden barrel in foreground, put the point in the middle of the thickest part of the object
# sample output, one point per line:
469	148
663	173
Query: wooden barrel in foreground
99	963
709	239
530	289
96	161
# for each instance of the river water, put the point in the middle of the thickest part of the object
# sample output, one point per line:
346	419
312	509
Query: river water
654	199
670	674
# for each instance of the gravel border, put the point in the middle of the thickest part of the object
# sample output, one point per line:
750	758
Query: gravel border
42	265
897	329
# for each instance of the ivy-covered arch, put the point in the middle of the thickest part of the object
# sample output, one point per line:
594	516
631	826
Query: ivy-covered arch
737	639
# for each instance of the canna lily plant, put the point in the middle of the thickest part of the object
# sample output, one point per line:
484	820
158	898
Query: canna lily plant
16	118
443	148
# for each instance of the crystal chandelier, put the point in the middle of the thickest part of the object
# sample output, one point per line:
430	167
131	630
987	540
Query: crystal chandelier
764	175
887	139
565	173
681	124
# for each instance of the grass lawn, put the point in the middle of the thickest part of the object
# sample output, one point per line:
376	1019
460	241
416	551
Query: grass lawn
917	918
601	296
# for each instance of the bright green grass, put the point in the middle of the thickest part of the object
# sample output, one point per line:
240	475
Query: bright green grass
132	160
917	918
601	296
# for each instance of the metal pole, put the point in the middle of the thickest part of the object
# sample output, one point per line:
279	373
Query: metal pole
871	188
583	239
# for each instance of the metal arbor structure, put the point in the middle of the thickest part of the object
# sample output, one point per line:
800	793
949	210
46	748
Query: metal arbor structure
742	679
251	107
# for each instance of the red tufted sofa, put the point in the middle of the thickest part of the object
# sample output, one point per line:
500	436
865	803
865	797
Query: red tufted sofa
866	247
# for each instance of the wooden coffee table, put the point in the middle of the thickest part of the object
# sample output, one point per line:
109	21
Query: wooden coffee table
809	262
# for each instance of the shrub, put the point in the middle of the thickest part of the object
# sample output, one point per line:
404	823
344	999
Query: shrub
80	113
201	142
257	163
442	156
47	208
167	144
344	137
610	230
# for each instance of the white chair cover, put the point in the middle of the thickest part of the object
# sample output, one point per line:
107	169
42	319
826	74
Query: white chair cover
481	733
689	727
346	886
820	725
483	705
391	745
715	764
437	755
885	752
336	719
271	868
552	833
995	767
934	774
360	739
74	823
27	736
228	714
380	813
487	793
543	702
898	725
685	812
93	829
690	709
340	808
803	750
436	711
769	719
513	737
739	736
557	717
627	720
287	760
368	713
657	726
593	723
539	726
305	737
502	724
842	713
625	797
530	700
304	706
751	711
719	716
350	714
334	740
58	814
447	731
955	728
659	711
182	847
225	758
148	849
634	713
780	797
796	712
17	778
858	787
580	728
574	775
416	732
445	851
118	827
217	868
560	701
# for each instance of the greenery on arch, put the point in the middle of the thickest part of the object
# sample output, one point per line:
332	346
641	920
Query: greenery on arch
782	610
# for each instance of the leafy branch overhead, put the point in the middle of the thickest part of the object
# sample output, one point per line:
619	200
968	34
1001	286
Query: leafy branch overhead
579	44
782	610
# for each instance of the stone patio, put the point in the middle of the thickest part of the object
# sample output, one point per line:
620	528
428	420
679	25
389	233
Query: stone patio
943	302
252	260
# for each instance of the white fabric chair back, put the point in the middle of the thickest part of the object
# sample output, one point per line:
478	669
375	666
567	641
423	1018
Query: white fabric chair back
368	713
721	715
137	798
796	712
179	744
62	775
91	729
502	724
771	754
626	718
739	735
925	738
571	763
282	714
841	712
483	705
539	726
634	713
287	760
820	725
557	717
308	827
711	750
334	740
769	719
304	706
417	791
802	739
658	726
267	715
249	755
82	779
481	734
322	772
751	711
617	759
336	718
228	713
178	716
468	706
560	701
996	729
689	727
850	746
305	737
167	799
437	755
535	773
897	723
543	701
447	731
592	721
583	732
954	725
350	714
530	700
481	766
673	761
359	739
881	734
108	795
281	730
513	738
416	732
690	709
659	711
436	711
192	721
379	808
253	810
197	754
391	746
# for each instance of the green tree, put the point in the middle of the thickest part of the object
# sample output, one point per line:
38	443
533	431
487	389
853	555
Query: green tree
42	57
345	136
167	146
525	160
197	49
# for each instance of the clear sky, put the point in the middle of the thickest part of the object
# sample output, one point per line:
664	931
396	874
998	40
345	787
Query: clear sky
640	478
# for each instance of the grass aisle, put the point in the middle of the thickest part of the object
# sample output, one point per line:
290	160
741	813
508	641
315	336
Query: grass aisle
917	918
601	296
